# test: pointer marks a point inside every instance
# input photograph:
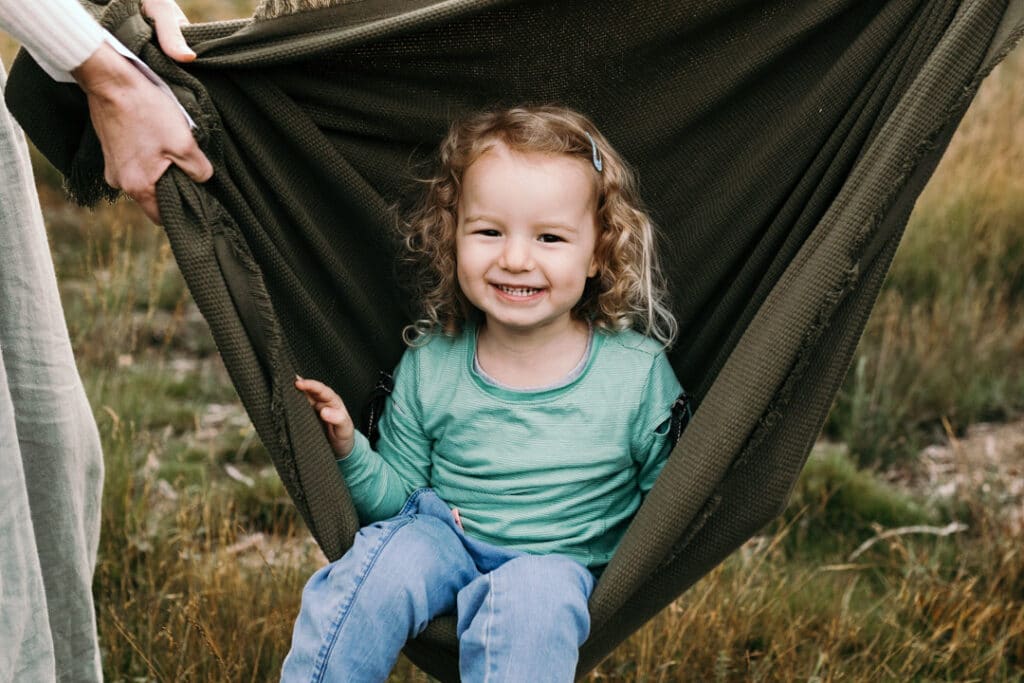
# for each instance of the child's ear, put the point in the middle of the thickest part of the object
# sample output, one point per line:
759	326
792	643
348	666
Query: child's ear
594	266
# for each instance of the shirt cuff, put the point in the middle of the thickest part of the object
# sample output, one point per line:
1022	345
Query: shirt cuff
358	452
62	76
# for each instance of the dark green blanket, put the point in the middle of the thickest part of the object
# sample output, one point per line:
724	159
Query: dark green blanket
780	147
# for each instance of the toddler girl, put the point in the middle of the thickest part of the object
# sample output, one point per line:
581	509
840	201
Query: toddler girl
534	401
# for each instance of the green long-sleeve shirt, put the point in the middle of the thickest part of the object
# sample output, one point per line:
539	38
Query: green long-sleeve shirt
559	470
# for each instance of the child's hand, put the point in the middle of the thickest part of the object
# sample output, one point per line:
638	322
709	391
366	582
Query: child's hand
340	430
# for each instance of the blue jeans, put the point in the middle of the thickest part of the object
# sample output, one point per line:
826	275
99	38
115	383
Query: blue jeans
521	617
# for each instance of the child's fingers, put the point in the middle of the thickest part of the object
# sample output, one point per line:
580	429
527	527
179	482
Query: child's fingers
318	392
312	399
311	386
331	409
338	417
340	429
309	398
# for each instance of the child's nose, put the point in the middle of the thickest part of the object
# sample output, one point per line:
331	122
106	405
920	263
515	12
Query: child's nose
516	255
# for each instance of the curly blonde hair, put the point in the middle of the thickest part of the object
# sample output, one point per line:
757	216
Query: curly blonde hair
628	290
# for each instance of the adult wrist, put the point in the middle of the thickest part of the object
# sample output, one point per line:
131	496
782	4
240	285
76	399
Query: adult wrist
111	70
105	72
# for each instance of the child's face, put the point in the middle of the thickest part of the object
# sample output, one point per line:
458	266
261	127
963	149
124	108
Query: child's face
525	239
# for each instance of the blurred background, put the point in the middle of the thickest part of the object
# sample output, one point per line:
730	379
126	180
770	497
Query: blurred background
899	556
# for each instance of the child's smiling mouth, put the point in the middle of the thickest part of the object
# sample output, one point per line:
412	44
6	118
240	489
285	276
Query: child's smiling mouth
521	293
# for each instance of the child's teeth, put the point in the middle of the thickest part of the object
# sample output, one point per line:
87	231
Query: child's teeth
519	291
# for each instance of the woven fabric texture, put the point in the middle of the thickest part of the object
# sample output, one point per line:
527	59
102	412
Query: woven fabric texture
780	148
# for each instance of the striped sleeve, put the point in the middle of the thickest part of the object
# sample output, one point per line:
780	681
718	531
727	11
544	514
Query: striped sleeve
380	481
652	444
60	34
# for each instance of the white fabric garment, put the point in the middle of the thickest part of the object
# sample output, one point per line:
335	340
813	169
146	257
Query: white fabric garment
51	466
60	35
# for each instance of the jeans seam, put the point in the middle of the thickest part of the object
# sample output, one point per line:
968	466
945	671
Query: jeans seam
413	501
487	628
324	655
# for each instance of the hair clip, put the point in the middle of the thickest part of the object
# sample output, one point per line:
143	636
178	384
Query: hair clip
595	155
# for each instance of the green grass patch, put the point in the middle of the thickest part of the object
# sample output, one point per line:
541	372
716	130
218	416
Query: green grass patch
946	339
835	504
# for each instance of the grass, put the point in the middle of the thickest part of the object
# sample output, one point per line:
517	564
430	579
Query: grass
203	557
946	339
899	613
192	585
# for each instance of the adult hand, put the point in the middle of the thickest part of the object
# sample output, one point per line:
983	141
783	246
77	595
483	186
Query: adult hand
141	130
167	20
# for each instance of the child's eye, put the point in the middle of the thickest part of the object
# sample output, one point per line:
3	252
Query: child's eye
548	238
487	232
